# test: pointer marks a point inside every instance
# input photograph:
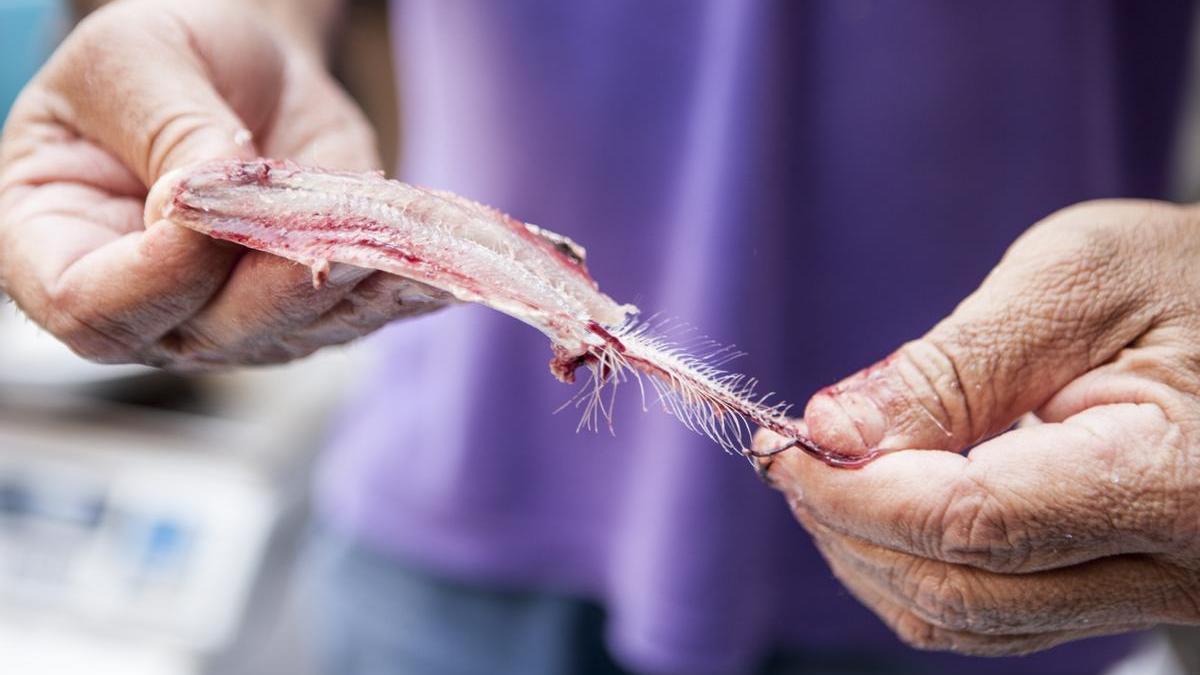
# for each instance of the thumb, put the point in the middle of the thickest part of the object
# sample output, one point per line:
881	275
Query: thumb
165	85
1066	297
153	85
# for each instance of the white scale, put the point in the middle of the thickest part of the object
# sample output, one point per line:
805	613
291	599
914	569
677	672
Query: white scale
133	547
133	540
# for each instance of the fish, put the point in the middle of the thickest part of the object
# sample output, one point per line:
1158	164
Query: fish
465	251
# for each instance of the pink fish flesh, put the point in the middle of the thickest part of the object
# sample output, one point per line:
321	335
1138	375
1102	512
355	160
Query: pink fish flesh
474	253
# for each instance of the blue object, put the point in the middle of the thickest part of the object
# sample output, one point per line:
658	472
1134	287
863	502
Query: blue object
29	30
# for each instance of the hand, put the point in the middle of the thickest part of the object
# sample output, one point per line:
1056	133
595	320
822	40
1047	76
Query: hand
139	88
1084	523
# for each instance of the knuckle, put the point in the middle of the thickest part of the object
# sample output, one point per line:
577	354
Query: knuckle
920	634
961	601
87	333
945	601
93	345
334	332
169	130
976	529
92	342
925	636
307	343
116	20
1178	597
190	342
89	47
95	330
97	28
359	317
1086	229
930	370
1082	264
190	348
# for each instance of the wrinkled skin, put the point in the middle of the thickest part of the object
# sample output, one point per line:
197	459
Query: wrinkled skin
139	88
1083	524
1083	521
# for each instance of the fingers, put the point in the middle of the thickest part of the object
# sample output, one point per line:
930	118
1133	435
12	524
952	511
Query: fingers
263	298
292	321
76	257
1105	592
103	292
1103	482
151	83
132	291
1066	298
325	127
928	631
37	152
138	88
378	300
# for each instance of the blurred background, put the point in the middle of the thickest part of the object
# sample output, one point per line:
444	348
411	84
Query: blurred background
149	522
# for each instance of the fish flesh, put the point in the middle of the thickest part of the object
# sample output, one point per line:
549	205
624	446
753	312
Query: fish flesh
475	253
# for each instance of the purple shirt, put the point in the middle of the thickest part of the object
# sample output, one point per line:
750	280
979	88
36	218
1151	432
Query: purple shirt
814	181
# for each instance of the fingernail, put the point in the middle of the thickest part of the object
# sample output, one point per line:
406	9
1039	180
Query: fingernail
866	415
341	274
848	418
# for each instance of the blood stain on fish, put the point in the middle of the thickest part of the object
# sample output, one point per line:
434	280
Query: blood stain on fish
465	251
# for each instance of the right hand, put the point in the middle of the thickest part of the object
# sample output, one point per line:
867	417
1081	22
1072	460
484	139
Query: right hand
139	88
968	535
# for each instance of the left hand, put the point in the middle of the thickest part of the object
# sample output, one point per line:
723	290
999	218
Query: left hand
1087	523
141	87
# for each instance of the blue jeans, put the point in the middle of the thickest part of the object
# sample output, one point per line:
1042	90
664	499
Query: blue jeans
376	615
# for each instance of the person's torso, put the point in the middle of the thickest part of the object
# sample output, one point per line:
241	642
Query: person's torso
815	182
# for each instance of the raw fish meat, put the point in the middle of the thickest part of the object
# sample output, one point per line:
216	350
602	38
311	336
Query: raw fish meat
475	253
